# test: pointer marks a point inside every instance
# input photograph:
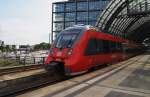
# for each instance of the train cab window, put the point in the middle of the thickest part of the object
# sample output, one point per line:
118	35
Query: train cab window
68	37
66	40
91	48
106	47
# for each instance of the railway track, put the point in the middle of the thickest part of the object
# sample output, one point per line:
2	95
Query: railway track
19	69
9	87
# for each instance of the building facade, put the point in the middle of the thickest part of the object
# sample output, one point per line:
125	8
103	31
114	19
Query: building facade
72	12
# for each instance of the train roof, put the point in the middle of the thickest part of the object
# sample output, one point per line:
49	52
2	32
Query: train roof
82	27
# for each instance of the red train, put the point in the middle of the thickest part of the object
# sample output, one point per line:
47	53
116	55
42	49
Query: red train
79	48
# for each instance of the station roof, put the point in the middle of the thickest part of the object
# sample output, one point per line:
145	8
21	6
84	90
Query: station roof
126	18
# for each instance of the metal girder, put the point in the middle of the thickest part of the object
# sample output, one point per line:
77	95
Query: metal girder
114	16
119	19
137	24
139	8
130	24
105	14
140	33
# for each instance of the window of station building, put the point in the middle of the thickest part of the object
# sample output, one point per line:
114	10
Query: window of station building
56	33
69	24
58	26
82	16
58	7
70	6
92	23
70	16
82	6
84	22
58	17
104	3
94	15
95	5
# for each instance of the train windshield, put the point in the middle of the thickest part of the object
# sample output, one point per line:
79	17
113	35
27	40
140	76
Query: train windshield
66	40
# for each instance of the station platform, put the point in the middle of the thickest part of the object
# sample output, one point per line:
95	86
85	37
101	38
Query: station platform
130	79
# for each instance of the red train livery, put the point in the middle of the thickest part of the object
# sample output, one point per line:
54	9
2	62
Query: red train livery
79	48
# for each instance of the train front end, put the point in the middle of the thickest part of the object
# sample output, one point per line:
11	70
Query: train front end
63	52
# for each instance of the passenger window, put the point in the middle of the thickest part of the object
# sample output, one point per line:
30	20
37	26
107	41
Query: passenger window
91	48
113	46
119	47
100	46
106	47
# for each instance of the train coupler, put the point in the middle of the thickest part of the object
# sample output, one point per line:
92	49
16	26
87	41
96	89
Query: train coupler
55	67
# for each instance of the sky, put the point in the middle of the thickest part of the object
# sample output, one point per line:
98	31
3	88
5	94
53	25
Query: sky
25	21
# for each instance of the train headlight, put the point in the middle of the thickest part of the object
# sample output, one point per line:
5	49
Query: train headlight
70	52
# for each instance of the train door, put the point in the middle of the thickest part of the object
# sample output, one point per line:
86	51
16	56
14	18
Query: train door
100	54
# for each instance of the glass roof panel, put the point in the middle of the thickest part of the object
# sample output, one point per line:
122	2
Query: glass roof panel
127	17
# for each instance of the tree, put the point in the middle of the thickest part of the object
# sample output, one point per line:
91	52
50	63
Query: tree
42	46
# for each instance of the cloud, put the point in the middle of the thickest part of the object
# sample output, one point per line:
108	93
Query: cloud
17	31
27	27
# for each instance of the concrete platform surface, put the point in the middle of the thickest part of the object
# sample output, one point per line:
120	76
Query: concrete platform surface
130	79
